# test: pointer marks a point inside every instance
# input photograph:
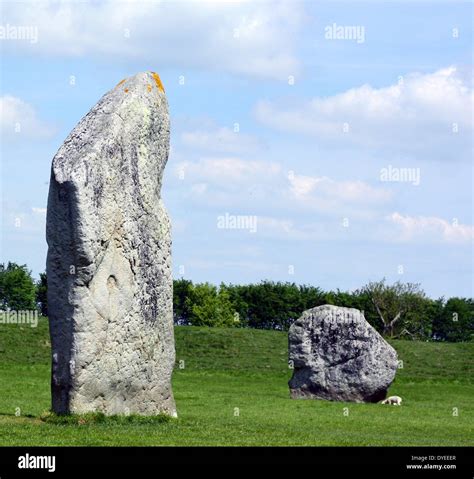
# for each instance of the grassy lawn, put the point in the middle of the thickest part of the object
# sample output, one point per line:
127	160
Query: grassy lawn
233	390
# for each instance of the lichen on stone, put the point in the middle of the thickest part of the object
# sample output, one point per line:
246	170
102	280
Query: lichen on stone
157	79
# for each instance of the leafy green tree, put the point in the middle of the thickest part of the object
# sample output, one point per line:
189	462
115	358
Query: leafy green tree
456	321
275	305
182	289
269	307
417	322
399	307
239	305
343	299
210	306
42	294
17	288
310	297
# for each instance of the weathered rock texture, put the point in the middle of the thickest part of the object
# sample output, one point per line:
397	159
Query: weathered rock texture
109	258
337	355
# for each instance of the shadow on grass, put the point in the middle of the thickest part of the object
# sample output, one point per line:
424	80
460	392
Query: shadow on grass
28	416
101	418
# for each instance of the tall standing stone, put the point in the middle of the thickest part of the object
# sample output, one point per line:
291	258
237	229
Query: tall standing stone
109	258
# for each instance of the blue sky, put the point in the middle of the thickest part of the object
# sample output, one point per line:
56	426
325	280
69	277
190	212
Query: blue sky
272	118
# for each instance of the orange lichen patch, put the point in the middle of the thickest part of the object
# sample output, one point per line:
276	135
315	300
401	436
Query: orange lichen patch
157	79
120	82
148	87
126	90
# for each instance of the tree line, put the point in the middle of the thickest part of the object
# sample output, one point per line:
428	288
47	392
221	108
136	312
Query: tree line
398	310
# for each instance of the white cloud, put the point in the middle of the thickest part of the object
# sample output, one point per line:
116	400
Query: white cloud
198	188
259	185
308	188
227	170
335	198
254	38
19	218
227	182
276	225
288	229
220	140
413	116
218	265
310	208
39	211
430	228
392	228
19	119
305	208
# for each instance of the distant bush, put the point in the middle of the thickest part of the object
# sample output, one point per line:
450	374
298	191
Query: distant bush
17	288
41	294
210	306
270	305
455	321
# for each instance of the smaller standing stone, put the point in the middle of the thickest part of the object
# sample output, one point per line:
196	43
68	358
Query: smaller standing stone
337	355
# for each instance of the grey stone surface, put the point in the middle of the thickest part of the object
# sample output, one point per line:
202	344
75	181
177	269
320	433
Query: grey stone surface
337	355
109	258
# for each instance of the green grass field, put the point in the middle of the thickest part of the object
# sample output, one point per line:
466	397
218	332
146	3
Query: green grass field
233	391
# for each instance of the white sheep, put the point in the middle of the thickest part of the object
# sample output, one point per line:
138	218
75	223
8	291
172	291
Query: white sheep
395	400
